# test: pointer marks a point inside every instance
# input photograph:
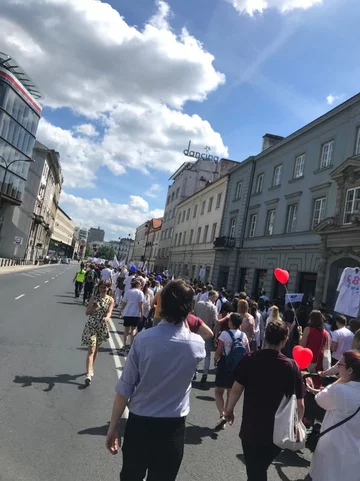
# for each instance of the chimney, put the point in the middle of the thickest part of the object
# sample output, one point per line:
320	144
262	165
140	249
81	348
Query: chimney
269	140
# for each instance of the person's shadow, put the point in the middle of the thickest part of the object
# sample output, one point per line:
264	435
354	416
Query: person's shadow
27	381
196	434
102	430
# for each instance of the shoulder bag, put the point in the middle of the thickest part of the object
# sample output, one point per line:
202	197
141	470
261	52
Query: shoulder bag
289	430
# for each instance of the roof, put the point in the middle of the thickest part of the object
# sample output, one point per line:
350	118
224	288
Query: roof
65	214
181	169
10	64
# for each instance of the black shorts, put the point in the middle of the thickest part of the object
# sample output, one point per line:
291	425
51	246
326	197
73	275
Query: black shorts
131	321
224	378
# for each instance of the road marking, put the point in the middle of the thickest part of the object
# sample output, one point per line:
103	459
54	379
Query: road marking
19	297
116	358
36	287
27	275
53	278
46	282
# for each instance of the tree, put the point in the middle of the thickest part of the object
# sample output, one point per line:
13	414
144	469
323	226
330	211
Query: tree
105	252
88	252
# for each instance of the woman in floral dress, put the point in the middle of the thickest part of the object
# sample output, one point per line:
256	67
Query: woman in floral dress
96	329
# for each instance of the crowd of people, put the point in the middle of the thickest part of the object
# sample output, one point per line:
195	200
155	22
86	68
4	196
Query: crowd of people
170	326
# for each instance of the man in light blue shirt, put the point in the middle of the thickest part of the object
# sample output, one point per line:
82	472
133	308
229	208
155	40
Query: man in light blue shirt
156	385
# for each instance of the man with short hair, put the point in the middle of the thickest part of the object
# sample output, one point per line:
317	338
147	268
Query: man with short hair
205	295
207	311
89	283
106	273
341	339
79	281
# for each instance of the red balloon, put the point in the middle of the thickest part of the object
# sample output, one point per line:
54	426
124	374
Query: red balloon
281	275
302	356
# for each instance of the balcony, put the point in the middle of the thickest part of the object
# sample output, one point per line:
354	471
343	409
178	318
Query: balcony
225	242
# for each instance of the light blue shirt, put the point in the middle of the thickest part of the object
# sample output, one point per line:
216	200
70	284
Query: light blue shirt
159	369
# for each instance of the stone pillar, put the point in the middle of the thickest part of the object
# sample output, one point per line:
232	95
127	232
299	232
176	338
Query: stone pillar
320	281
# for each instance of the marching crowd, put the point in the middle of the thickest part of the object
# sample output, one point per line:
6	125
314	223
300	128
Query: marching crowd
170	326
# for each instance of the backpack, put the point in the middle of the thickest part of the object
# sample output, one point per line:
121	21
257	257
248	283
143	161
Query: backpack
90	276
236	353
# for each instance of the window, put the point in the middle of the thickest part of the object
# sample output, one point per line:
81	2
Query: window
198	235
180	236
177	192
206	230
210	204
203	207
319	211
183	216
171	232
232	227
253	220
176	237
163	252
168	199
357	145
277	175
167	252
218	200
188	214
162	234
238	190
169	215
326	154
299	166
259	183
184	239
270	221
213	232
172	196
165	217
352	204
291	218
195	211
191	236
166	234
179	218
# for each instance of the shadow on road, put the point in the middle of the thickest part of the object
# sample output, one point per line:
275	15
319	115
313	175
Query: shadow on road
205	398
102	430
206	386
70	303
27	381
196	434
60	295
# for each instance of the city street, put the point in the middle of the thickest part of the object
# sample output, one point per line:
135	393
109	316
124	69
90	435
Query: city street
53	428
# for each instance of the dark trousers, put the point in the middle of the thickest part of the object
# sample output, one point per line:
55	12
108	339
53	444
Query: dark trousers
152	445
258	458
88	290
78	288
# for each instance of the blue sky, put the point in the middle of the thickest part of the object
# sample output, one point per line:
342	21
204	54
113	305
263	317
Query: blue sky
122	97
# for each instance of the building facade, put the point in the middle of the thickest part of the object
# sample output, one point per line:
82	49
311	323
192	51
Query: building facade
41	200
187	180
124	249
61	243
146	245
95	235
20	113
198	222
80	235
302	213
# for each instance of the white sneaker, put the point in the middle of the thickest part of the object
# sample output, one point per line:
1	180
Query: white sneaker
221	424
87	380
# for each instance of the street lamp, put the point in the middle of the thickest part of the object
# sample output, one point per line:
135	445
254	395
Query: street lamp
7	166
128	250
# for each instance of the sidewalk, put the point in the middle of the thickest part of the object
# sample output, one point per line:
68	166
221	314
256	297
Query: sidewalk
13	269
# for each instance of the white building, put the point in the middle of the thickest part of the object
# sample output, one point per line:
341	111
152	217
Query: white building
198	222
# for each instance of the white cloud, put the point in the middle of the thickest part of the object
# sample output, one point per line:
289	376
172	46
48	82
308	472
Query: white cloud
334	99
252	7
84	56
87	129
153	190
118	220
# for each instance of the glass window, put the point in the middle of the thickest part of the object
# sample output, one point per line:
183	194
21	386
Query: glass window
319	211
191	236
176	238
206	230
179	218
326	154
171	232
291	218
210	204
180	236
238	190
213	232
218	200
232	227
357	145
183	216
299	166
177	192
195	211
270	221
165	217
172	196
184	239
203	207
352	204
277	175
259	183
188	214
252	230
198	235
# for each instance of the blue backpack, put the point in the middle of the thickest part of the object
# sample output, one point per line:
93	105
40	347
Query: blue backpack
236	353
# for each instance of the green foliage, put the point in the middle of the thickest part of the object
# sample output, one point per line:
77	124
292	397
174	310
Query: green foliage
105	252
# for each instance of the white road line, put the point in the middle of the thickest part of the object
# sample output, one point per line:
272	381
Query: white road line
19	297
27	275
116	358
36	287
46	282
53	278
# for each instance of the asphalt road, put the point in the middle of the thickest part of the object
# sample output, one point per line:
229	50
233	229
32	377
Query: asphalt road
52	429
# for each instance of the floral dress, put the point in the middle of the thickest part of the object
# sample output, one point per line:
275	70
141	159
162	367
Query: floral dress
96	331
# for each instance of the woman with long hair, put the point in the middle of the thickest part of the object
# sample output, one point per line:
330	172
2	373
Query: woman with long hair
336	456
96	329
274	315
259	327
148	297
317	339
248	322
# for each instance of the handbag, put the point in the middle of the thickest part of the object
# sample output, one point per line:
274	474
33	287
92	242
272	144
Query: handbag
289	430
313	438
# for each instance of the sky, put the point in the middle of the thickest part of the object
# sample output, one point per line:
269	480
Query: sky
127	84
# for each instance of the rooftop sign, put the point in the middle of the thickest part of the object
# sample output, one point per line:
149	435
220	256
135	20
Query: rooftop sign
198	155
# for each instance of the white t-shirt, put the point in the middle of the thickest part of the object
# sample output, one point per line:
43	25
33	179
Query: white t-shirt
106	274
348	301
344	338
147	302
127	282
132	299
226	339
204	297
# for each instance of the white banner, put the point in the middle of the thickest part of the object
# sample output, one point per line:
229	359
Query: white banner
293	298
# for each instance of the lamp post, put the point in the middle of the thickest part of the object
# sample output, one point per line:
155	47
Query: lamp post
7	166
128	250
